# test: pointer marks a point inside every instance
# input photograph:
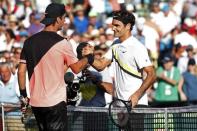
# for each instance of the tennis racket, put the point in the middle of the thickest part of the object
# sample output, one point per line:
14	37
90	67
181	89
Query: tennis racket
119	112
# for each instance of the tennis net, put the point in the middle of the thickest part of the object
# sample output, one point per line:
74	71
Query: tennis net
97	119
143	119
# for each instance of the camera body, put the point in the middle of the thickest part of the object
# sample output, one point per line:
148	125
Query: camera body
72	92
73	86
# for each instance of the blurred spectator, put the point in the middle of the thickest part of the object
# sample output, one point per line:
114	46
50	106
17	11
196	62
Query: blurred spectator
2	36
92	92
139	27
151	43
8	83
35	26
177	52
4	7
109	36
13	23
22	12
10	41
168	78
84	3
90	29
15	58
185	39
99	6
23	35
115	5
156	14
94	20
183	61
189	25
41	5
102	39
67	28
108	22
15	62
74	40
168	21
6	55
85	37
188	82
79	20
177	6
190	8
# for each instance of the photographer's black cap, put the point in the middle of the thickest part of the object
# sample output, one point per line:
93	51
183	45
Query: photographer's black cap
80	48
53	11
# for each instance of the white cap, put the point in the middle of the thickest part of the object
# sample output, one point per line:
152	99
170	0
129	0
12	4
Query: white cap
188	22
129	7
69	32
67	20
92	43
109	31
108	20
95	32
140	23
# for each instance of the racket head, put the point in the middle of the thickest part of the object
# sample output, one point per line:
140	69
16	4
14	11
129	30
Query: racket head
119	112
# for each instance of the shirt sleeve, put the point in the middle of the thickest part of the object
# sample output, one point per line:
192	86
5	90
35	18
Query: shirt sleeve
70	57
106	75
142	58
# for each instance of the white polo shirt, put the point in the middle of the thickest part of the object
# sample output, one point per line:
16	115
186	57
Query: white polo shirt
133	54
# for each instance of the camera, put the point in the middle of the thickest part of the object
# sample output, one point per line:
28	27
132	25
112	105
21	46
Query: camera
72	91
72	88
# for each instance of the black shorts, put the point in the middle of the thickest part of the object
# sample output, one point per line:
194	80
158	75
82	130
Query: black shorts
52	118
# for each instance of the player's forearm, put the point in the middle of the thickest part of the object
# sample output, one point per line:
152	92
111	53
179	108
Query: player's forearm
100	64
79	66
21	78
107	86
149	80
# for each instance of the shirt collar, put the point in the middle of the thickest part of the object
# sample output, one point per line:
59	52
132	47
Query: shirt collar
127	40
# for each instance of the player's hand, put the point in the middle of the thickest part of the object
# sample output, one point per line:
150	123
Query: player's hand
24	104
134	98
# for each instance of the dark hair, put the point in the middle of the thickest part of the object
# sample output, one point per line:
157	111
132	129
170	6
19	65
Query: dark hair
125	17
80	48
191	62
11	33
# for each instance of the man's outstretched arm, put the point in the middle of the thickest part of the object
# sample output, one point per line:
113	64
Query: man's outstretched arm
100	64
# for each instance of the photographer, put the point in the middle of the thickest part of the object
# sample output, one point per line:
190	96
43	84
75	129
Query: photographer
93	84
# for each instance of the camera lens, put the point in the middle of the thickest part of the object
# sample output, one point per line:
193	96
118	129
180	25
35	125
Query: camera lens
75	87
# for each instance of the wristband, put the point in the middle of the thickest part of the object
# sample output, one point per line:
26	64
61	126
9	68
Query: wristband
23	93
90	58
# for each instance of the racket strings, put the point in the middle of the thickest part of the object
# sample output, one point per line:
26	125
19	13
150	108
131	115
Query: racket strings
120	113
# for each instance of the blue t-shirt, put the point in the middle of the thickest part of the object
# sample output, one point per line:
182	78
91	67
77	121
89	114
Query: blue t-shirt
81	26
190	85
